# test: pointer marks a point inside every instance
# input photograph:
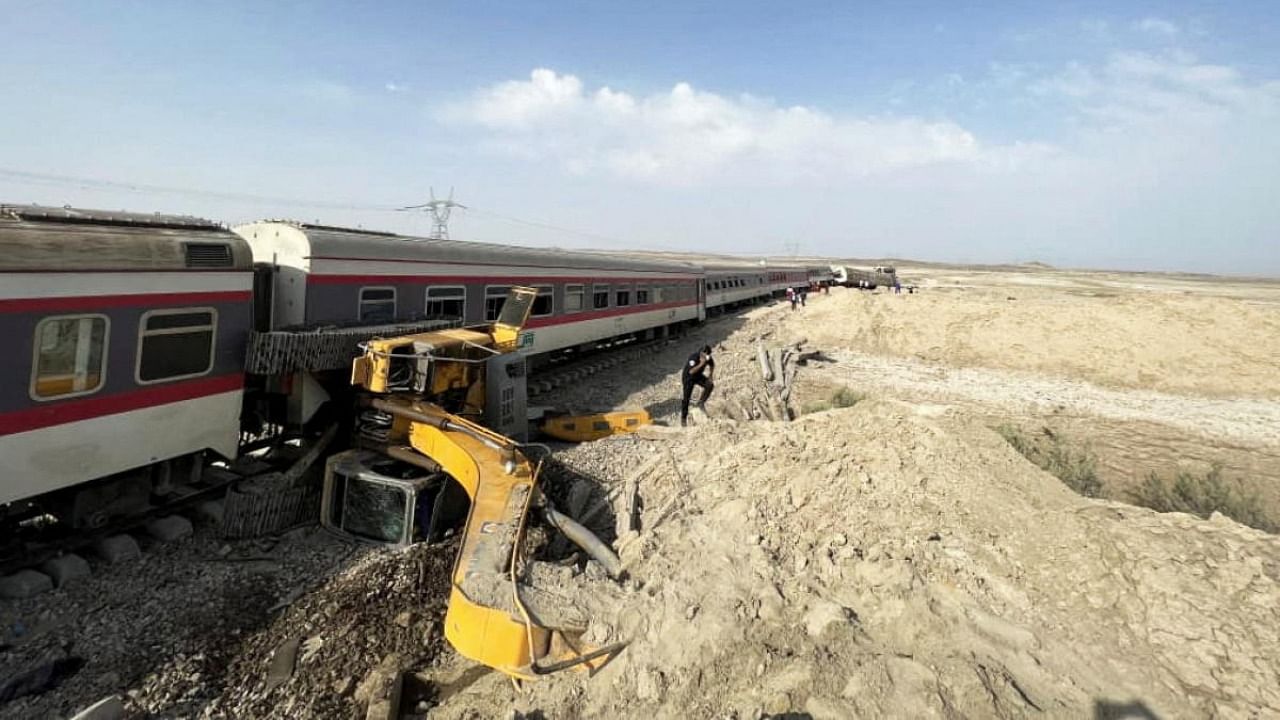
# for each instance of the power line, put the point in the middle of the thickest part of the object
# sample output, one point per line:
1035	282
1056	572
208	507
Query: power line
548	226
98	184
101	184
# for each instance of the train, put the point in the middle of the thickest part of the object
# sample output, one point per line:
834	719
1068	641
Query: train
149	345
864	279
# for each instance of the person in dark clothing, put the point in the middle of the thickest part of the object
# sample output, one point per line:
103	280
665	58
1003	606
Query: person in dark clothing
697	370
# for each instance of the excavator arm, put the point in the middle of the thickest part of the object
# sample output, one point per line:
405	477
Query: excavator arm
493	616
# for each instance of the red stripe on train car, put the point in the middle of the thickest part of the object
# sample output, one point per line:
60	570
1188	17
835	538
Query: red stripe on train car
95	302
494	280
60	412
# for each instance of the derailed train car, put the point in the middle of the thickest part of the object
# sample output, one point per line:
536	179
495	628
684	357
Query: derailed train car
148	344
127	337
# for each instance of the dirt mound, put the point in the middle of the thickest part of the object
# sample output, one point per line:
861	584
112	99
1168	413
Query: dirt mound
900	560
1189	344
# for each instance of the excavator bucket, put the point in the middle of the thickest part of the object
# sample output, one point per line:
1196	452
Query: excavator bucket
515	313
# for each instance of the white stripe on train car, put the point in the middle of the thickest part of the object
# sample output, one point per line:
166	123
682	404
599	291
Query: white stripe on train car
82	284
59	456
548	338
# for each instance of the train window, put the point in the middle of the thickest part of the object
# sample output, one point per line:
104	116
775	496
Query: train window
175	344
377	305
70	354
642	296
623	297
573	298
545	303
495	296
447	302
599	296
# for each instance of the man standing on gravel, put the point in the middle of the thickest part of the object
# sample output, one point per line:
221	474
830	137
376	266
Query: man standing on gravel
697	370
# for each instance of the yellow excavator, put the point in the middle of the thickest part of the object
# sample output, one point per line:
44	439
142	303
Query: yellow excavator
424	460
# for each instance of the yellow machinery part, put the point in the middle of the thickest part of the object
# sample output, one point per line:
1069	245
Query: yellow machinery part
585	428
485	621
372	371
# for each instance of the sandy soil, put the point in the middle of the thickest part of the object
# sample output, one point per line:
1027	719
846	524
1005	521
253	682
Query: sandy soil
1152	373
896	558
1185	337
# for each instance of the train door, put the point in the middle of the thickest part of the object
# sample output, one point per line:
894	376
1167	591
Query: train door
263	284
702	299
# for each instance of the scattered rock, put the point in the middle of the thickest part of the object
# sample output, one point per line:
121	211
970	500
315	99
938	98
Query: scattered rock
282	663
822	614
343	686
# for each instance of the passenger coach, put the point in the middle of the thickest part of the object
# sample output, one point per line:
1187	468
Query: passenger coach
338	276
127	337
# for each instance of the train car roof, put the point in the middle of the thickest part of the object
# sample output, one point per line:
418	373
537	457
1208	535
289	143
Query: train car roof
338	243
35	238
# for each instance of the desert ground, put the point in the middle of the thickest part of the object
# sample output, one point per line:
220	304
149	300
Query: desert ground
885	552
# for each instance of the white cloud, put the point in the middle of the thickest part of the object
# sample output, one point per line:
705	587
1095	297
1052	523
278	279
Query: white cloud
1134	159
394	87
686	135
1157	26
1160	91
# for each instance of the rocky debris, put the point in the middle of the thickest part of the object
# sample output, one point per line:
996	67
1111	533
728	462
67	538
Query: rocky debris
157	632
117	548
66	568
45	675
384	612
25	584
381	690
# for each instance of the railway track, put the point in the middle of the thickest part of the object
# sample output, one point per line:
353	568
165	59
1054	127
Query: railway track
33	546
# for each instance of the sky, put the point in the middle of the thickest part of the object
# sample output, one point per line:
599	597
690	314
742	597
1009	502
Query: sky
1128	135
